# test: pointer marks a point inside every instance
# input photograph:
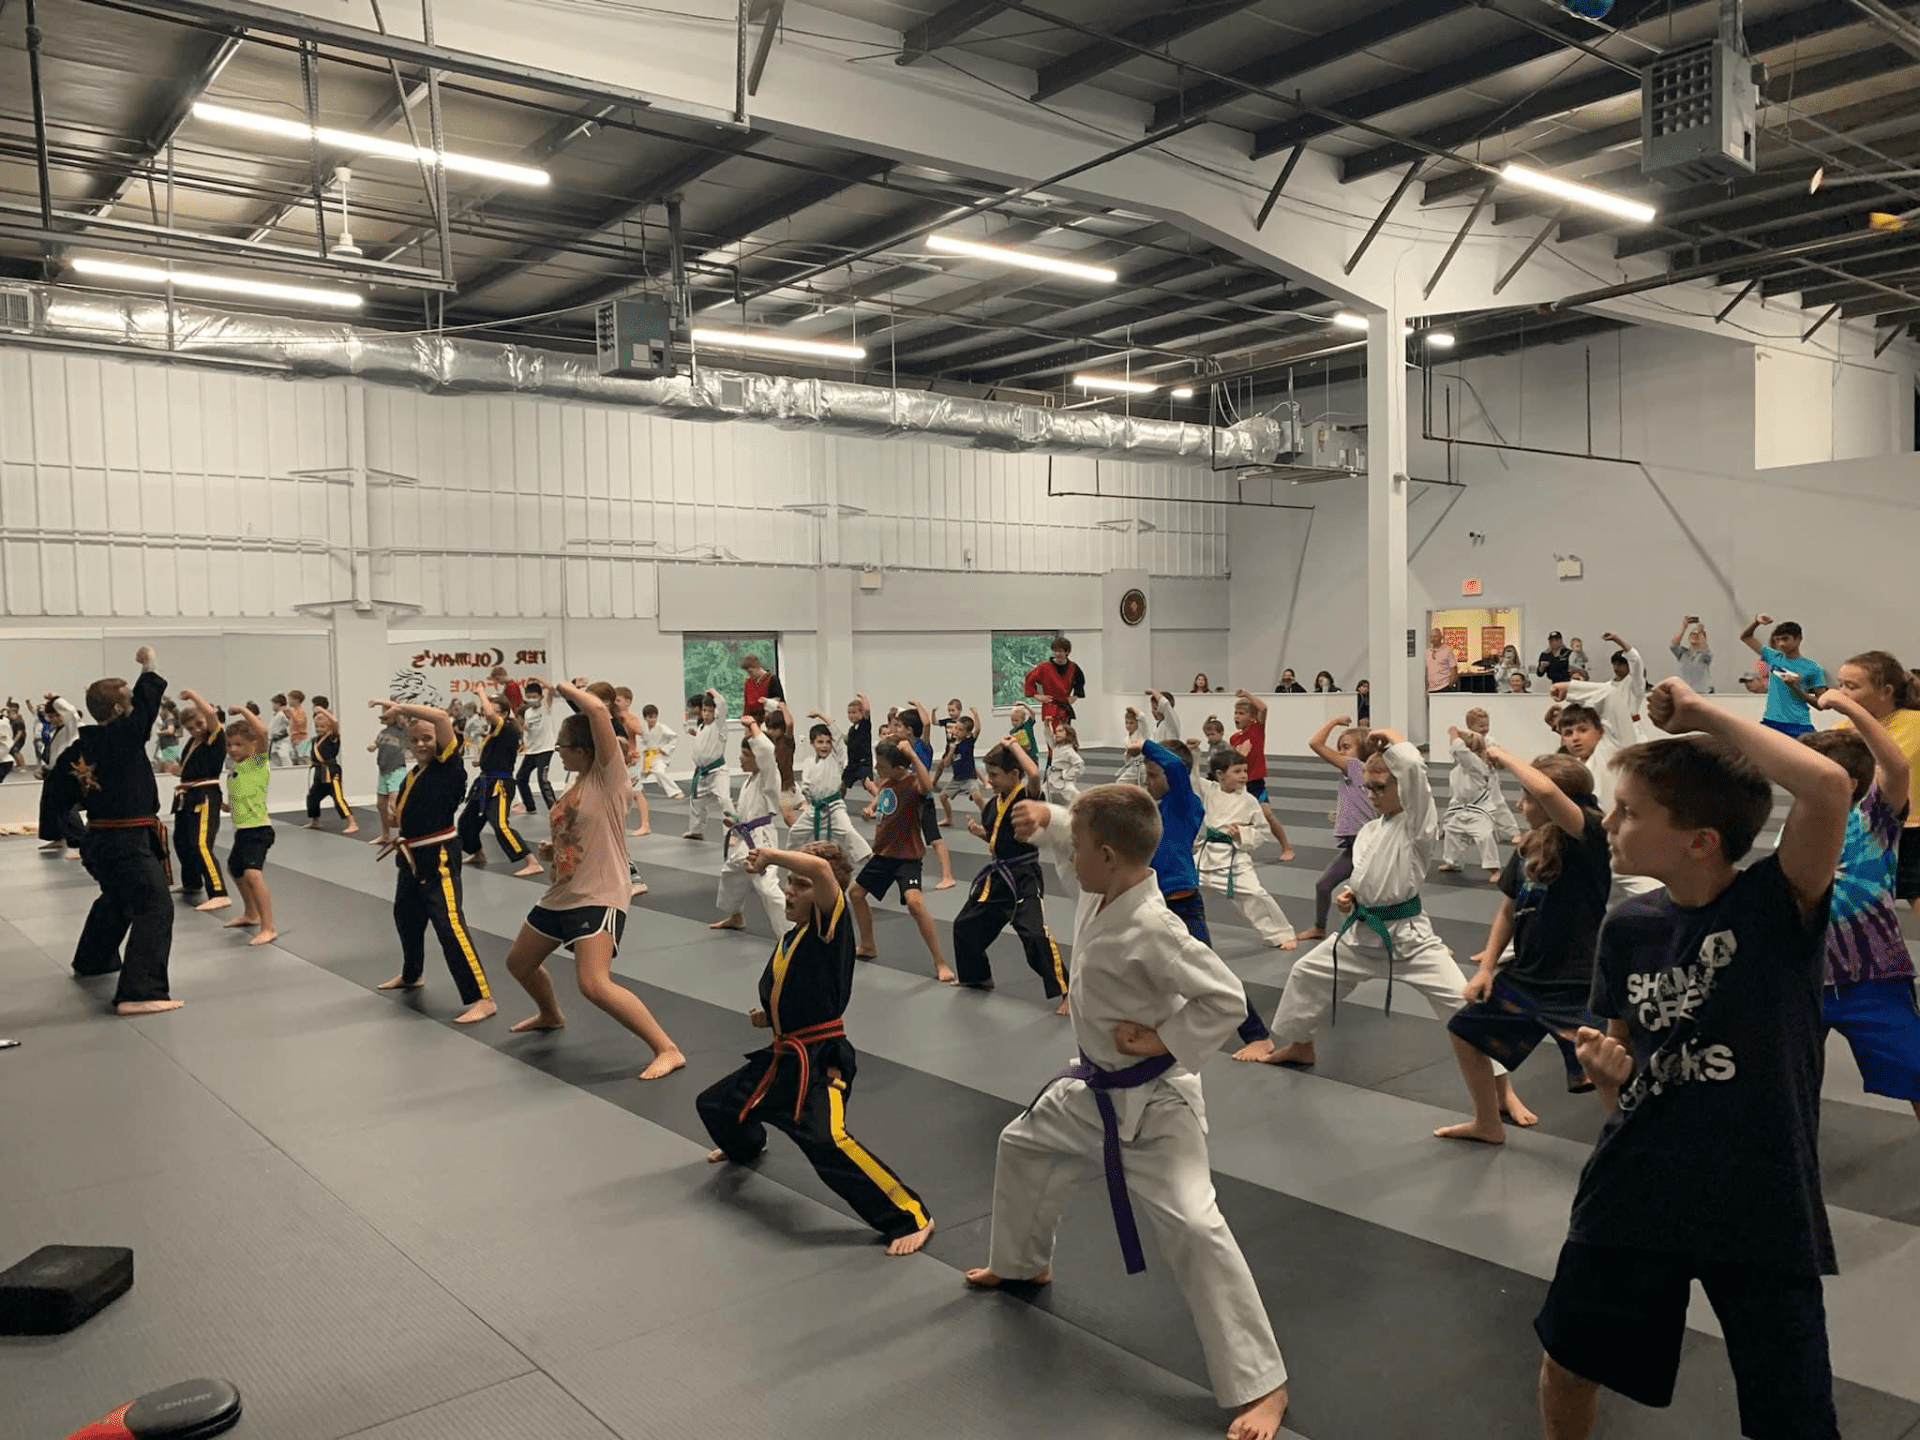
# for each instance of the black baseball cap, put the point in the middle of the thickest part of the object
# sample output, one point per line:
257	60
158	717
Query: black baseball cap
1553	635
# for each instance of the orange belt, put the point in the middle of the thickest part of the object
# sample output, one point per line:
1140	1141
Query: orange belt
406	847
795	1042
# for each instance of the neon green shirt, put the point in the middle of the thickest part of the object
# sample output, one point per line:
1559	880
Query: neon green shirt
247	792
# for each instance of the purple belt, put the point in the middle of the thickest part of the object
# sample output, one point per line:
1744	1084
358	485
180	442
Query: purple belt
1004	869
1100	1082
745	828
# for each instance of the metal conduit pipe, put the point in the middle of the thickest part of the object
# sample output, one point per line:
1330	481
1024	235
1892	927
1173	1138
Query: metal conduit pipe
150	540
451	365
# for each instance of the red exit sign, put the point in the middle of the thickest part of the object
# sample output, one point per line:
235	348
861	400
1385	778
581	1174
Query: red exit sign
1469	587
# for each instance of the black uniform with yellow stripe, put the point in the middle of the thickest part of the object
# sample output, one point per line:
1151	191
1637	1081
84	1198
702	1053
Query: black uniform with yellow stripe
799	1084
427	886
327	777
1009	891
490	801
196	816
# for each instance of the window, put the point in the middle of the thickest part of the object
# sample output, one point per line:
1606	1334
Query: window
1015	652
712	662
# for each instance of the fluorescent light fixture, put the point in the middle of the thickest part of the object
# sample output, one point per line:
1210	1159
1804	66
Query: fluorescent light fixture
1601	200
1440	339
776	344
1119	385
944	244
1347	320
204	284
366	144
1183	392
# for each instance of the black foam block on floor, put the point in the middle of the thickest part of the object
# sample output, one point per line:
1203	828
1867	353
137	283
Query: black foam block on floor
60	1287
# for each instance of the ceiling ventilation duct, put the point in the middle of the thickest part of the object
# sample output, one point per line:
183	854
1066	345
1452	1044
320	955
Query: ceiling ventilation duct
443	365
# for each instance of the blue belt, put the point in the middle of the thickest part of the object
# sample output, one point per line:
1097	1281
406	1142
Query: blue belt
1102	1083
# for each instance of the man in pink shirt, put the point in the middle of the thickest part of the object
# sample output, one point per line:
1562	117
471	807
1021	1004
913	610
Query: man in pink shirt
1443	667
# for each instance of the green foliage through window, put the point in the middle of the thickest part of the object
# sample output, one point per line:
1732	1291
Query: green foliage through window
1015	652
712	662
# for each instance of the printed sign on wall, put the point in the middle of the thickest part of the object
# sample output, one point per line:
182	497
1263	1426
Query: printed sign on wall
1473	634
431	670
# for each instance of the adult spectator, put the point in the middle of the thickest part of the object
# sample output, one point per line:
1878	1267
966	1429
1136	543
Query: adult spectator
1324	684
1289	684
1506	663
1058	682
1443	666
761	686
1201	685
1695	656
1556	661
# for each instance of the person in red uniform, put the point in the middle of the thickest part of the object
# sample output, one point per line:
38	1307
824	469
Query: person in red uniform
1058	682
761	686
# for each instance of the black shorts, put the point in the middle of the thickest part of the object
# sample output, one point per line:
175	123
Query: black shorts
1258	789
882	872
1618	1317
1906	884
855	774
250	848
570	926
929	820
1515	1018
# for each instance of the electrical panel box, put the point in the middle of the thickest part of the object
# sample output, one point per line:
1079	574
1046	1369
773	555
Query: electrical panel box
1697	114
634	338
1333	447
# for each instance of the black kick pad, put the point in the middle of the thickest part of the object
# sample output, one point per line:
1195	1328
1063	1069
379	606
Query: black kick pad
59	1287
187	1411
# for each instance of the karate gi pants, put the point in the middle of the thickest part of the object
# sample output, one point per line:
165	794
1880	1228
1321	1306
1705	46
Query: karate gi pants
838	828
1420	959
851	1171
530	766
980	922
709	802
1506	824
196	831
490	802
327	781
134	906
429	893
1249	896
1461	838
1049	1152
657	773
737	883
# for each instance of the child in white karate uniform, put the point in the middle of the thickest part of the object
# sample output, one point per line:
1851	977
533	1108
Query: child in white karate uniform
754	826
1468	827
1589	736
712	790
1222	851
1166	723
1066	767
1149	1004
657	739
822	813
1391	856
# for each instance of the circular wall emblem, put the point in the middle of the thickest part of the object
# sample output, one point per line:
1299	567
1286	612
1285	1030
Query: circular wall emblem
1133	606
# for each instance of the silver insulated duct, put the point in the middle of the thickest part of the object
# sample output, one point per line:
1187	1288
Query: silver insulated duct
446	365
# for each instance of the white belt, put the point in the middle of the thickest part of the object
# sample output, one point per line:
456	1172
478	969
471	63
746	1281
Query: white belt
417	841
195	784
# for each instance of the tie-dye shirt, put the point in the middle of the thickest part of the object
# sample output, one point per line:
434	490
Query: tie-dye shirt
1863	940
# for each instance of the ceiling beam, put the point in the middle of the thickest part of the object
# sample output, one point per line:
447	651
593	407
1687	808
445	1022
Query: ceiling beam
1429	84
1348	40
123	172
1103	55
945	27
1585	146
1793	26
1759	220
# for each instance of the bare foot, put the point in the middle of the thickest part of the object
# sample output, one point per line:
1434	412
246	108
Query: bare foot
219	902
311	825
714	1157
734	921
378	840
519	809
639	888
943	972
400	982
1287	854
478	857
946	884
1515	1113
643	830
1496	1134
1314	932
1445	869
353	828
239	921
1292	943
537	1021
866	954
1493	877
691	835
532	867
1260	1420
476	1012
265	937
1061	1008
664	1064
982	1278
1300	1053
146	1007
907	1244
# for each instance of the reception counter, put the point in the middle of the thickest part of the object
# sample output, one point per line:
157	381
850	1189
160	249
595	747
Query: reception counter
1519	724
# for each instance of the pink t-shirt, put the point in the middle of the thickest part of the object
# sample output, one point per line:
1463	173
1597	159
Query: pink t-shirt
590	840
1443	668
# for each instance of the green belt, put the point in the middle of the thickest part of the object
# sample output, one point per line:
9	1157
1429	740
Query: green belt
1221	837
700	772
1375	919
822	811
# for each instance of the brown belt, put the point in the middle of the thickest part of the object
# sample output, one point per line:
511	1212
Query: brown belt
148	822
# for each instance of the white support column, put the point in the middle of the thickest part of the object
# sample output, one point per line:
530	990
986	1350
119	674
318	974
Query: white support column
1396	700
360	528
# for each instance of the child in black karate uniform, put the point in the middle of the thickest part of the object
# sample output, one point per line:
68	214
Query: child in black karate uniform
490	801
799	1084
328	777
1010	890
196	803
